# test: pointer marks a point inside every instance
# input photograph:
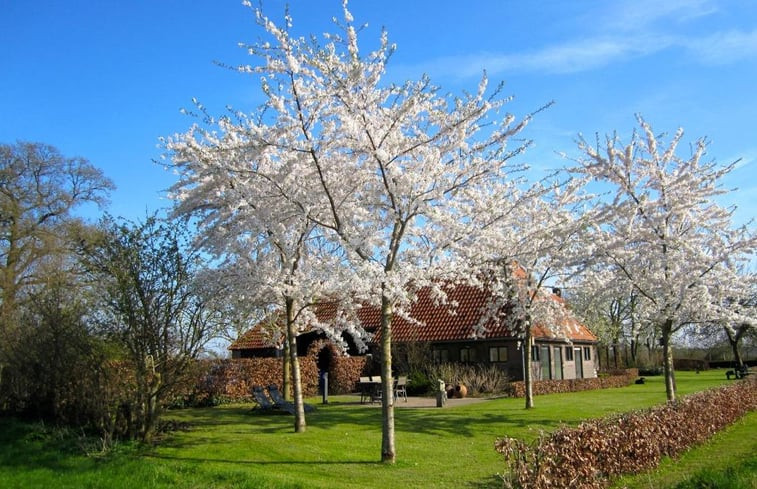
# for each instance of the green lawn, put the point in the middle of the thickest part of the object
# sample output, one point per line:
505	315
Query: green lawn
228	447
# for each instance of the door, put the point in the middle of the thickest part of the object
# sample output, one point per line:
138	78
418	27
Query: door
579	358
546	371
557	352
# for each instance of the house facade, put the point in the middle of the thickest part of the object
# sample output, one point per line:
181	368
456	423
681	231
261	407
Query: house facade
448	331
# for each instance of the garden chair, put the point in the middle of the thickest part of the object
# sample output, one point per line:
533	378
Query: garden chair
281	403
262	400
375	391
365	388
400	387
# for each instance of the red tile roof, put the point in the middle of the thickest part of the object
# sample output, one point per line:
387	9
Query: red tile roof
433	322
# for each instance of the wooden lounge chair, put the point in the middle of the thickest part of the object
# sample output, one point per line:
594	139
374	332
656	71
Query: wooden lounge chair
281	403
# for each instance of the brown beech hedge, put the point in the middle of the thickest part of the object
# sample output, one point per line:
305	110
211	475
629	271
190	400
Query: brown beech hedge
617	378
591	454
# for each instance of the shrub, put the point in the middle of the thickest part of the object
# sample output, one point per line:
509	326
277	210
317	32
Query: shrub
418	384
592	453
650	371
690	364
479	379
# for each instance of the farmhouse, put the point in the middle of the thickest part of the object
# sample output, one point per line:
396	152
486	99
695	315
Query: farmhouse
559	351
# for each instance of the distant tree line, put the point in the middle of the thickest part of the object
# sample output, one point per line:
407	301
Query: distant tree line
98	322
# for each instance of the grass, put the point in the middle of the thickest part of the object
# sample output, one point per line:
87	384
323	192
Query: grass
228	447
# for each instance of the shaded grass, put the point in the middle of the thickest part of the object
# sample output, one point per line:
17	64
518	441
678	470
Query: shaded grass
228	447
740	476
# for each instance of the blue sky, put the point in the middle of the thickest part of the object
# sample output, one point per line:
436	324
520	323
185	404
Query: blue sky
104	80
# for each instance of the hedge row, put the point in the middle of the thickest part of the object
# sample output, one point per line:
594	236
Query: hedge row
212	382
219	381
625	377
589	455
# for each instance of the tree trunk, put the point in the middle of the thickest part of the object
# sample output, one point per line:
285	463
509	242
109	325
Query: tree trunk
733	340
667	353
528	381
607	357
388	450
300	425
286	368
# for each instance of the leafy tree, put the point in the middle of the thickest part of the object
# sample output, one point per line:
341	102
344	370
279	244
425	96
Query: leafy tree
663	234
53	374
151	307
382	169
39	188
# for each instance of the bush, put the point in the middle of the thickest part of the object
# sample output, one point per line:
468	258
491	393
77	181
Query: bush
650	371
418	384
479	379
690	364
589	455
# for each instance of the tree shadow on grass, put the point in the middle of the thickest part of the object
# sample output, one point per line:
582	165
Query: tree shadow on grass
262	462
493	482
34	445
433	421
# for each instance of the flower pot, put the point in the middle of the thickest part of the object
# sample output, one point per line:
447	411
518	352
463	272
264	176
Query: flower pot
461	391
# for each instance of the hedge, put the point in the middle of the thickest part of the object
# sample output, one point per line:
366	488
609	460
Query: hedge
212	382
540	387
591	454
219	381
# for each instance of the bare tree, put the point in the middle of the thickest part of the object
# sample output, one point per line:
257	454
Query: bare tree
150	307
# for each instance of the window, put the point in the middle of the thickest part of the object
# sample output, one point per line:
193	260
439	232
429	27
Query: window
587	353
535	354
467	354
441	356
498	354
568	353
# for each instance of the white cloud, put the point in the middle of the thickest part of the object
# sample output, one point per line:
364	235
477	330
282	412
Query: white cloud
636	15
625	30
578	56
723	47
587	54
570	57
